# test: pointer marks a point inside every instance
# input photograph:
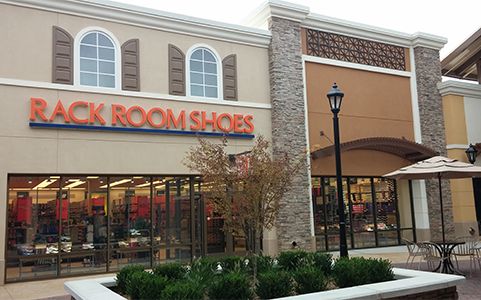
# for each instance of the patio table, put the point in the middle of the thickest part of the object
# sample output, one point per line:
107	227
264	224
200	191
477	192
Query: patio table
445	248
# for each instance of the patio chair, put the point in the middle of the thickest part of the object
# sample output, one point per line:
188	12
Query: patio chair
413	253
470	249
431	255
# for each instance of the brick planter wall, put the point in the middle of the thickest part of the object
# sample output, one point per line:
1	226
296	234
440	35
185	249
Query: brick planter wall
444	294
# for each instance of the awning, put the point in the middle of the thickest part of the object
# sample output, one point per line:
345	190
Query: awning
461	63
406	149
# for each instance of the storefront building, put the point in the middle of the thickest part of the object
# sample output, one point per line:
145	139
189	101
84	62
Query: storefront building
101	101
391	116
100	104
461	108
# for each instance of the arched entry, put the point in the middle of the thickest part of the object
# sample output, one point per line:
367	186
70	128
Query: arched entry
378	210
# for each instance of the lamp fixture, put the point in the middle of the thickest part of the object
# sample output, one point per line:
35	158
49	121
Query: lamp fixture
471	153
335	98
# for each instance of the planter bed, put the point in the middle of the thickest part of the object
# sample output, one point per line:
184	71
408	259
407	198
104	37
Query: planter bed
409	284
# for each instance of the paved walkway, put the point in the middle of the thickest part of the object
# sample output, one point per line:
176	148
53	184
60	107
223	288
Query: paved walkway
53	289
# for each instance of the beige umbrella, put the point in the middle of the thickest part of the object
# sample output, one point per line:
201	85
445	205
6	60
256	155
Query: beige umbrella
439	167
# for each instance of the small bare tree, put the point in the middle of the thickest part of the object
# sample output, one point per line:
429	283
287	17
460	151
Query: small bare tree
245	189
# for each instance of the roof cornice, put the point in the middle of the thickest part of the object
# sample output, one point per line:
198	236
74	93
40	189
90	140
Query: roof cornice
302	14
453	87
150	18
378	34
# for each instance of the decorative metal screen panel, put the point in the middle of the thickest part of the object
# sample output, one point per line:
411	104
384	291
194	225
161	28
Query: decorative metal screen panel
350	49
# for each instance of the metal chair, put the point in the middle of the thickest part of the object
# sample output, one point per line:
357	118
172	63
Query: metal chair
431	255
470	249
413	252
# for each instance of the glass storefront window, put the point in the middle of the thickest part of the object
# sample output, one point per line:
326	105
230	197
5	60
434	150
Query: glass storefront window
33	227
372	216
84	224
362	205
386	204
71	225
129	220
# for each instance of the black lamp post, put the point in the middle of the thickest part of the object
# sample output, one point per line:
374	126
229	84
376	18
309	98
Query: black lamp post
471	153
335	99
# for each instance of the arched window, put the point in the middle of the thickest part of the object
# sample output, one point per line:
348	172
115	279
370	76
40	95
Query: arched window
203	73
97	53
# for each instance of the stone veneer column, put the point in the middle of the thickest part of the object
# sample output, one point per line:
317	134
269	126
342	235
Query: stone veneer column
428	75
289	129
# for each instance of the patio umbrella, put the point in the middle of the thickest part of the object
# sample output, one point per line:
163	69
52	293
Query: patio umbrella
439	167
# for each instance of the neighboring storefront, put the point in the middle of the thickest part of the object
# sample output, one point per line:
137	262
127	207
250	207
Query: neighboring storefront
462	108
101	101
391	116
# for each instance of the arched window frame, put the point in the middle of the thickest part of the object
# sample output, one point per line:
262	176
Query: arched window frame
191	50
117	60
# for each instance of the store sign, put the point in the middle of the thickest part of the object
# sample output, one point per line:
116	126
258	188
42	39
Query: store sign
86	115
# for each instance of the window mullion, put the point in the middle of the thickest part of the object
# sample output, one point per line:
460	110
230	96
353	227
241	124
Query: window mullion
98	61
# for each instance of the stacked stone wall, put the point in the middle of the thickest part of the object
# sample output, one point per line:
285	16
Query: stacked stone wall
428	75
289	129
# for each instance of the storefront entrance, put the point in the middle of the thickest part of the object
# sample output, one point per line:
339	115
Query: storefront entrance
67	225
372	213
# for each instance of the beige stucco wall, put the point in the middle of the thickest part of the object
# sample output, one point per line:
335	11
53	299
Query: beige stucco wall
374	105
459	121
27	150
26	51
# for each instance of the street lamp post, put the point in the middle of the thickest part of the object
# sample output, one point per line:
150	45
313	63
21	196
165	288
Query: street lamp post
471	153
335	99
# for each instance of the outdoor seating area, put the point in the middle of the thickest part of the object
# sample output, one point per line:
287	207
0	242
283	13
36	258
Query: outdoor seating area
445	257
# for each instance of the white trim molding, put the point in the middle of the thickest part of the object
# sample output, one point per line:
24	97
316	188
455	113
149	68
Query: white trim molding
466	89
113	92
456	146
308	146
302	14
372	33
344	64
418	137
276	8
151	18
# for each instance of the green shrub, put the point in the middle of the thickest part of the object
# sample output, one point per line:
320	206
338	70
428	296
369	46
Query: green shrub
322	261
309	280
203	270
264	263
123	276
274	284
231	285
359	270
233	264
182	290
135	284
292	260
151	286
173	271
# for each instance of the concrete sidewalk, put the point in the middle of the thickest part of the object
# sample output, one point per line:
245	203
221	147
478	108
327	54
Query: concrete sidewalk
53	289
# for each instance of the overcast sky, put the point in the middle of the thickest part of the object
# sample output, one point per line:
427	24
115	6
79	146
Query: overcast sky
454	19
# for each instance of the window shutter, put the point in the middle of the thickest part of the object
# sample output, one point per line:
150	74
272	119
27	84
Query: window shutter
176	71
229	73
62	63
130	65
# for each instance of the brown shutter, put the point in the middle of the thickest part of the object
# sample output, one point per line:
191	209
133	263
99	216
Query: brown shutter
229	73
176	71
62	63
130	65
